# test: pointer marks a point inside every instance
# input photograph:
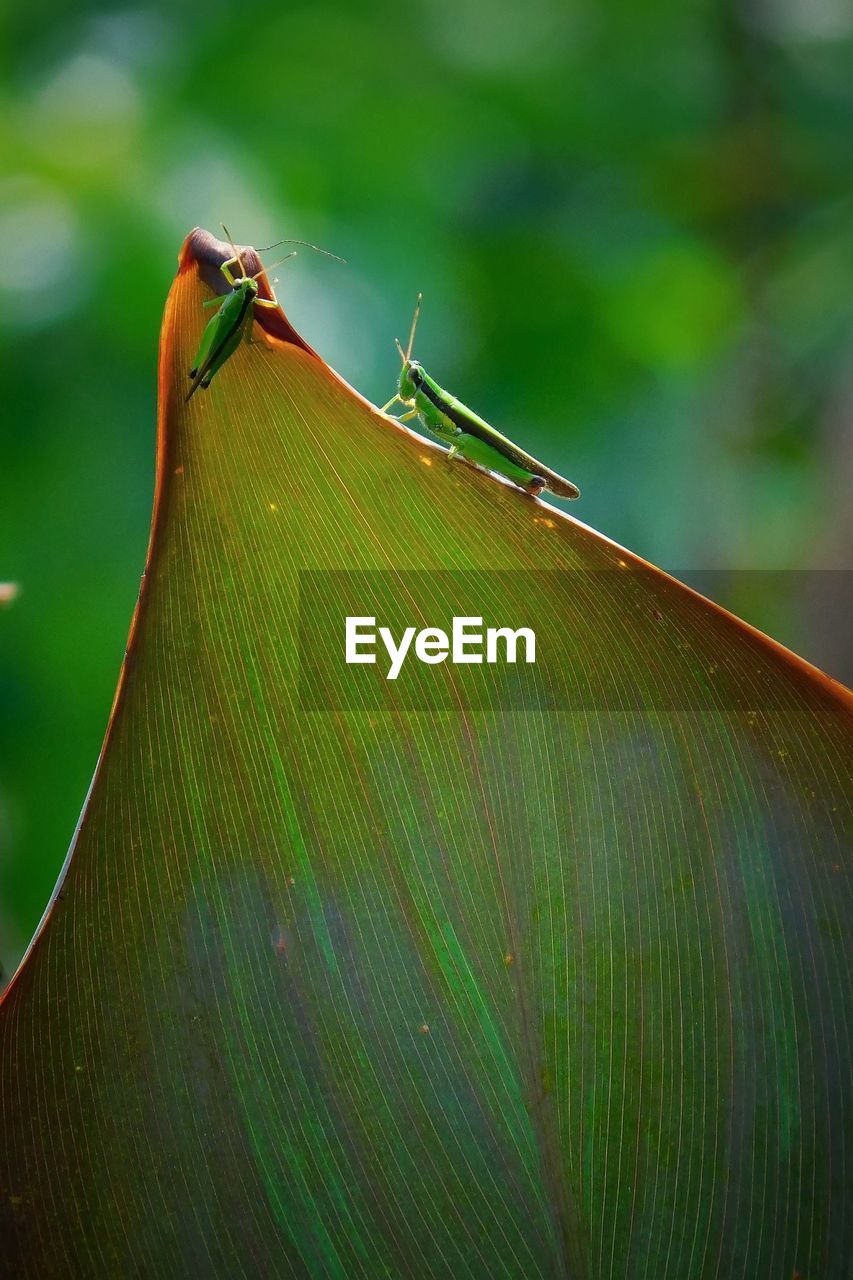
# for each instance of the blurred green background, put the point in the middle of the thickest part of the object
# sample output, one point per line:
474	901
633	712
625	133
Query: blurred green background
633	226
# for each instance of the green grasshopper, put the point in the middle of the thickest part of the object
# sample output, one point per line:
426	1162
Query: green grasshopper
467	434
232	323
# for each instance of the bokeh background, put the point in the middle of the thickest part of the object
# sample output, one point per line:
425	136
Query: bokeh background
633	226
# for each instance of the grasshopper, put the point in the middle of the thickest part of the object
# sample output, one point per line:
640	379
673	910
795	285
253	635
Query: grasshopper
232	322
468	435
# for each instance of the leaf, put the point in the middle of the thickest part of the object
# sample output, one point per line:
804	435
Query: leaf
473	973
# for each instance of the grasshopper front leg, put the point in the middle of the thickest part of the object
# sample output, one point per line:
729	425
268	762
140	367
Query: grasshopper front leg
225	269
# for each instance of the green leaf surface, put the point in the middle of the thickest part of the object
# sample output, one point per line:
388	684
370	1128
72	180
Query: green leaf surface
536	979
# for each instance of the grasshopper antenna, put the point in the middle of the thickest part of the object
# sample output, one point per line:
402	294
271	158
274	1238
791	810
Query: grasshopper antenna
405	355
234	248
415	317
306	245
292	254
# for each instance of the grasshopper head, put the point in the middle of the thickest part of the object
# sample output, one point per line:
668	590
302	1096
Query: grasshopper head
410	380
247	285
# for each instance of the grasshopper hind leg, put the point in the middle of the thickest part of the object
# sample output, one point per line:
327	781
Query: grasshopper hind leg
535	485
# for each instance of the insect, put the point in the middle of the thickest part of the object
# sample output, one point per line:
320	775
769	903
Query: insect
467	434
233	319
